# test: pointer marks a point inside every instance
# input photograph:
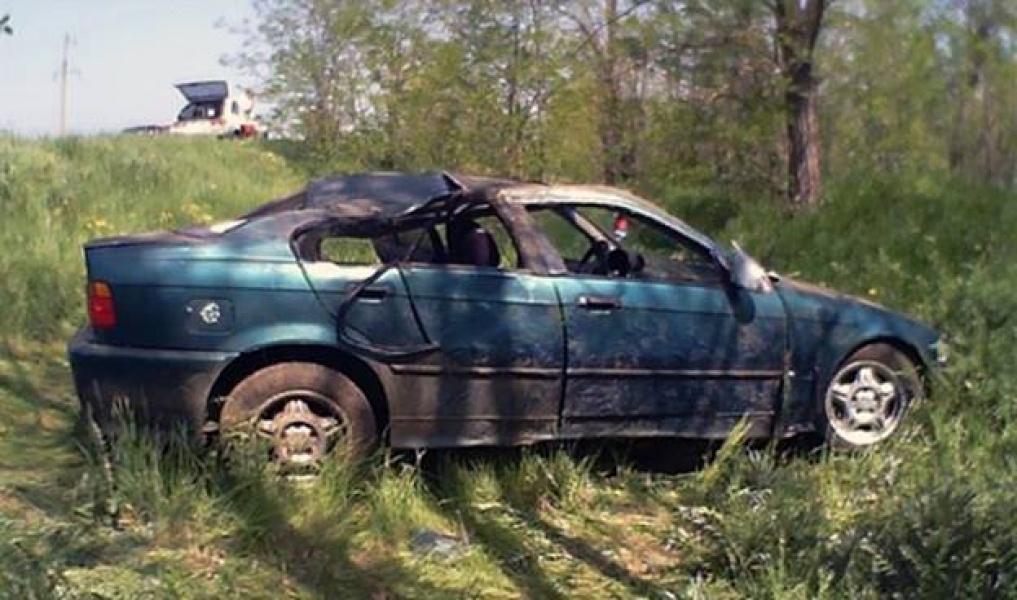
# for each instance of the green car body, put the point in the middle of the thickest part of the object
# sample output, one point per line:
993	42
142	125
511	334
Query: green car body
451	352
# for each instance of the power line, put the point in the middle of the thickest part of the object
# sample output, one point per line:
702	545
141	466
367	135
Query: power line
63	86
64	72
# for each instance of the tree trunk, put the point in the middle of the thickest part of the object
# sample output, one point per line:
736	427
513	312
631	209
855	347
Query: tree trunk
797	29
804	145
610	102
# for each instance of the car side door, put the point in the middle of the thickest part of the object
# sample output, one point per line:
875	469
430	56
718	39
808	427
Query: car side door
497	374
672	350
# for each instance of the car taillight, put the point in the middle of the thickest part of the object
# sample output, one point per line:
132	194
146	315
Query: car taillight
100	305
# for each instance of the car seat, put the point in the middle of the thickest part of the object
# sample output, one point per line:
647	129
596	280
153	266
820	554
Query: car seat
471	244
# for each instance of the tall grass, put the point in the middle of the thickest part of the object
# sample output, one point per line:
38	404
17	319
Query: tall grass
57	194
928	515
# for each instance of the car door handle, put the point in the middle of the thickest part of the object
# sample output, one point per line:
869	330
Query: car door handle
599	302
375	293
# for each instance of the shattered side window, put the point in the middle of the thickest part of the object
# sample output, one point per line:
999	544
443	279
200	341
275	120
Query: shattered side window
348	251
485	242
567	239
508	255
397	246
478	238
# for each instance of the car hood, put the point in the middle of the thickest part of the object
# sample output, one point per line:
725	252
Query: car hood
806	301
851	321
828	296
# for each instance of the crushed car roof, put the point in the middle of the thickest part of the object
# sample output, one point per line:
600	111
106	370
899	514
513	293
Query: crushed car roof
367	202
378	195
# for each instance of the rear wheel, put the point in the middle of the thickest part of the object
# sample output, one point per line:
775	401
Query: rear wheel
303	412
866	399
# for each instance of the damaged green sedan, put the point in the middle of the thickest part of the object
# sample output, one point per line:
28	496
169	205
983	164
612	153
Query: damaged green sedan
436	310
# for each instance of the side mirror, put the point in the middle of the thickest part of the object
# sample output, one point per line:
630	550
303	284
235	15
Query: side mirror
744	272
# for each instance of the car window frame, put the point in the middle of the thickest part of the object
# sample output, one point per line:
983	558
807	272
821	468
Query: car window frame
536	254
308	243
646	218
483	208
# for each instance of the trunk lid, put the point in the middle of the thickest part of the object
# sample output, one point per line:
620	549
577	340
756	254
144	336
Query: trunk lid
204	91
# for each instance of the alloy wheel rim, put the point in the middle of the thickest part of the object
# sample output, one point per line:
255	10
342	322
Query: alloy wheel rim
301	428
865	402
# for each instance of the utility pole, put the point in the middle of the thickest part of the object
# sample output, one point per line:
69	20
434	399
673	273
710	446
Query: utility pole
63	86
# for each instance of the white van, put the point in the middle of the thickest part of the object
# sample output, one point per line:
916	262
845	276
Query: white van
213	108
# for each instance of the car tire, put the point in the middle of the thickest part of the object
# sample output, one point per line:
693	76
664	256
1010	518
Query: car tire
866	399
305	411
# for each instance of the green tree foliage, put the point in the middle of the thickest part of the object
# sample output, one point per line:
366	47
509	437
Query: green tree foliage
655	94
980	34
715	117
882	115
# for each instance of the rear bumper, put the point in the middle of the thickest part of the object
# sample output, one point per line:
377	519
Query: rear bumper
163	389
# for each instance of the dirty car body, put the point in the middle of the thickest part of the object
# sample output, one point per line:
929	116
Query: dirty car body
514	339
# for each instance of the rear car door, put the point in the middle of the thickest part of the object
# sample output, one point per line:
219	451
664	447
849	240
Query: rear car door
379	319
672	350
496	376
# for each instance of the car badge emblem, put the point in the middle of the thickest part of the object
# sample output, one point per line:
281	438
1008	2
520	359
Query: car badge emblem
210	313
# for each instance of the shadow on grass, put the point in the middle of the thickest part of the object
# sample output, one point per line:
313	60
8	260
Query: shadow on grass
305	533
316	558
49	466
35	382
40	438
594	558
517	559
510	532
607	458
514	547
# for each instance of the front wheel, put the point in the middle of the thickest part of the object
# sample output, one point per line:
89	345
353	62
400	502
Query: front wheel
866	399
304	412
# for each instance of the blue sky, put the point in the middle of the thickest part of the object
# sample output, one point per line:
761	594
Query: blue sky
125	56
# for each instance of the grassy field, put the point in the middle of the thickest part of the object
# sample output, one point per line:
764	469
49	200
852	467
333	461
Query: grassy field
929	515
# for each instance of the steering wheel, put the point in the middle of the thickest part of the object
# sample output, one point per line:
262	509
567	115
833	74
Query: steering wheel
598	249
619	263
